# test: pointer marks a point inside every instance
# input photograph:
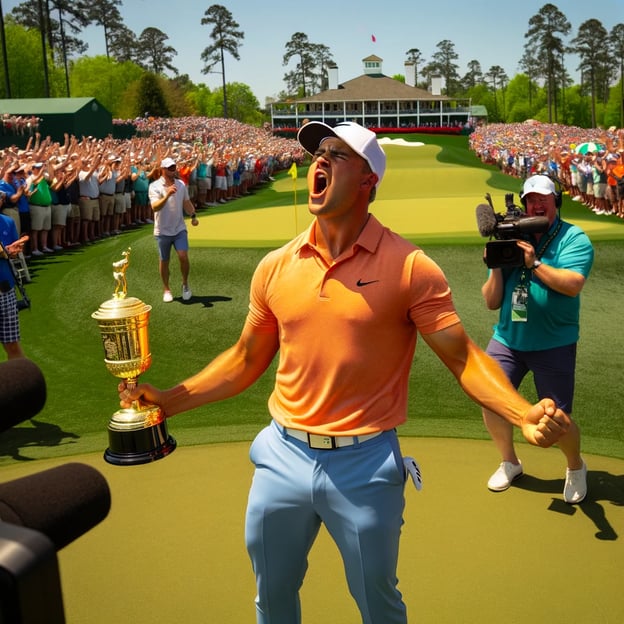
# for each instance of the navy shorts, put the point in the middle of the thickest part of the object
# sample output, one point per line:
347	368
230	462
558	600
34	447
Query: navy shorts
165	243
553	370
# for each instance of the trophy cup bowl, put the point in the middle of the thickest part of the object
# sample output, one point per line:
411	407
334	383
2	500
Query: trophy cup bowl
138	434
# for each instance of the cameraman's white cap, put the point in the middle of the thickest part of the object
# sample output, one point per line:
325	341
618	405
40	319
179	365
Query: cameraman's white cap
541	184
361	140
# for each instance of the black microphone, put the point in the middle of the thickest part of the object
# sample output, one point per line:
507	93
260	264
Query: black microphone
22	391
62	502
486	220
524	225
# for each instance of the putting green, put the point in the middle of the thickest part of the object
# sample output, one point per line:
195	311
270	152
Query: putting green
420	197
172	548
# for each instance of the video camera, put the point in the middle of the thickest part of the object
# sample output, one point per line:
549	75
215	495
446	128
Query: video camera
506	230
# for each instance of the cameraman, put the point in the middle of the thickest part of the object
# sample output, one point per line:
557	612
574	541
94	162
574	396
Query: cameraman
9	321
538	327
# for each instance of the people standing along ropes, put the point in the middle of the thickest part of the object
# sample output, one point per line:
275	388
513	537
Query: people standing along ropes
538	328
342	304
40	204
169	200
89	202
12	245
12	193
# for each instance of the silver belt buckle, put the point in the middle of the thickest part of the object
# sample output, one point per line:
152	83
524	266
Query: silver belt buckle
316	441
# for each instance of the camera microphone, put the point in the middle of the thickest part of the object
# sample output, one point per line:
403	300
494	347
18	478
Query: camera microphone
22	391
62	502
39	515
525	225
486	220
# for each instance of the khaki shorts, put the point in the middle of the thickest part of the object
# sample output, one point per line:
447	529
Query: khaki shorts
204	184
120	203
89	209
13	213
107	205
59	213
40	218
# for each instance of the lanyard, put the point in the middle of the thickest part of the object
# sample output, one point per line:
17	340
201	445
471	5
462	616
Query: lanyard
540	252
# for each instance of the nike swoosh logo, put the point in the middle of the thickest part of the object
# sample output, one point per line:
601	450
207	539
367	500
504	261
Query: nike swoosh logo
361	283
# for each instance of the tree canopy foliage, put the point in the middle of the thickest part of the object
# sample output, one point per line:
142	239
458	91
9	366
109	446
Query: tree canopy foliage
45	57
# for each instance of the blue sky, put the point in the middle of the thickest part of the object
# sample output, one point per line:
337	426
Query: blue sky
489	31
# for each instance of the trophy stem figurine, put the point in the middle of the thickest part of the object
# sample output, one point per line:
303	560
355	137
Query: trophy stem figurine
138	434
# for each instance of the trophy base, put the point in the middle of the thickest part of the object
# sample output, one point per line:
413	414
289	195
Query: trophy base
133	439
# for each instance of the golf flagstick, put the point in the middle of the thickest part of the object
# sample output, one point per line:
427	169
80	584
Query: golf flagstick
292	172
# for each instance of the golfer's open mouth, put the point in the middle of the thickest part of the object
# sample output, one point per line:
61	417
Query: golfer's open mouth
320	182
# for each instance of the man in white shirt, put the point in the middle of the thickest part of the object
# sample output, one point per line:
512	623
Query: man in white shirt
169	199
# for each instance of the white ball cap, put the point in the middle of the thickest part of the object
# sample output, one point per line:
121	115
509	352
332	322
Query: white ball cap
361	140
541	184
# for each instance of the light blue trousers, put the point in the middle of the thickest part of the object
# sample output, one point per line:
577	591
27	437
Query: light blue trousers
356	491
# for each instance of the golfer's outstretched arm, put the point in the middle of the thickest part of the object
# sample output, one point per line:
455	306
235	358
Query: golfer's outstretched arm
227	375
484	382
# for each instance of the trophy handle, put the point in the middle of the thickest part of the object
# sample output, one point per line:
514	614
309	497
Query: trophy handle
150	414
131	384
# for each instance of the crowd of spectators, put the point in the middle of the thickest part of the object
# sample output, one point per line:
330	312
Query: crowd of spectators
85	189
74	193
587	163
20	124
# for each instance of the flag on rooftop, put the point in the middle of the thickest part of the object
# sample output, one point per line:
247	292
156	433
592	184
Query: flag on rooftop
374	39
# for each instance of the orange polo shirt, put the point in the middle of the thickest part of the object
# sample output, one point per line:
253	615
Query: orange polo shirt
347	331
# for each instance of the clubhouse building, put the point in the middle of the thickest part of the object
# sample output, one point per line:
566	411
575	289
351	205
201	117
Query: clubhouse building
376	101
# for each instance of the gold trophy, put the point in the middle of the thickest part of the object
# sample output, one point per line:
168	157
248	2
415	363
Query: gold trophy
138	434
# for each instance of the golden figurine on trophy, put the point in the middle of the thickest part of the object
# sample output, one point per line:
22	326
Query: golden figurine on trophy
138	434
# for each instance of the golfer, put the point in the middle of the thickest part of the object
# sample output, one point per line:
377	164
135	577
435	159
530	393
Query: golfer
342	304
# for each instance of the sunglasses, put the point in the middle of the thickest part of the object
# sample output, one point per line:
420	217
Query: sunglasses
172	168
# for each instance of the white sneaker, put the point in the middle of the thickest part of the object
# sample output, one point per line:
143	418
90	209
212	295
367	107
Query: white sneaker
167	296
503	477
186	293
575	489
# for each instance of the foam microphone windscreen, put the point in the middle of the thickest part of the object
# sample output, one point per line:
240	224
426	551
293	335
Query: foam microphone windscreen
63	503
486	220
22	391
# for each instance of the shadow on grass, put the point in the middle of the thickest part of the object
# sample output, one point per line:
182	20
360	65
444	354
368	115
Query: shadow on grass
601	486
40	434
205	301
